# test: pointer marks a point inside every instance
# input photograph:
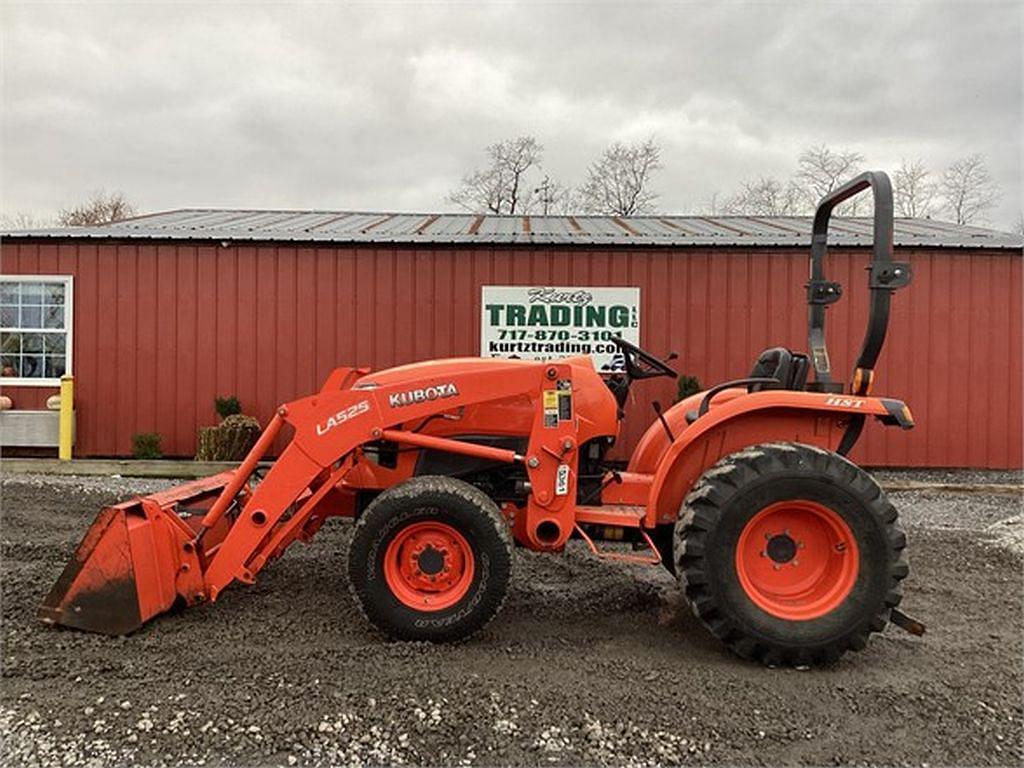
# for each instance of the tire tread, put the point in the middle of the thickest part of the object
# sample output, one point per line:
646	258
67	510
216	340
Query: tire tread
703	507
378	511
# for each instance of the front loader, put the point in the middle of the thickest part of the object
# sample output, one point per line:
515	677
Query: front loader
787	551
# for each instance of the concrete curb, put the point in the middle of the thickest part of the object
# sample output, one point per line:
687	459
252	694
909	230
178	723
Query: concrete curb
1000	489
185	469
160	468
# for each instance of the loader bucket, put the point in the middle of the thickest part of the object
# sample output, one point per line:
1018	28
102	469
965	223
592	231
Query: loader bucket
97	590
136	560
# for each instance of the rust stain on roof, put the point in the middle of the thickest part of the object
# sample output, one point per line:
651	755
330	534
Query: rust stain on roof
774	225
331	220
673	225
200	214
426	224
624	225
377	223
723	225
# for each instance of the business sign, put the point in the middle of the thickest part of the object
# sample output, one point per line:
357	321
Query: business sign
544	322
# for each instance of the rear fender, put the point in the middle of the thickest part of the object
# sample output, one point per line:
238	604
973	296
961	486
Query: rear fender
655	441
812	418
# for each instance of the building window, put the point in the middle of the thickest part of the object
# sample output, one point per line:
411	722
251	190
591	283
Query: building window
35	329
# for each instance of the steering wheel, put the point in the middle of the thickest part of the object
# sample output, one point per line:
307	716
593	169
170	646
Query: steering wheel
640	364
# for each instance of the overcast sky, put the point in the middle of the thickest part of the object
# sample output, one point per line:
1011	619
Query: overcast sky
383	106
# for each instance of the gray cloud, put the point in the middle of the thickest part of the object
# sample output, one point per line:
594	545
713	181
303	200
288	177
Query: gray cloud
384	106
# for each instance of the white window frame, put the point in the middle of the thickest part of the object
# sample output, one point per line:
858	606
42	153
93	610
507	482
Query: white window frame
69	315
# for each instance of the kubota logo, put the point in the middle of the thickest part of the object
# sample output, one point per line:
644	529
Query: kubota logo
414	396
342	416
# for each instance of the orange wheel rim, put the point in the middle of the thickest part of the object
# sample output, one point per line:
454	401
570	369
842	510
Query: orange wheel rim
797	560
429	566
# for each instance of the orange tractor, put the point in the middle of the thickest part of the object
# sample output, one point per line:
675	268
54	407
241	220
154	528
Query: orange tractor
787	552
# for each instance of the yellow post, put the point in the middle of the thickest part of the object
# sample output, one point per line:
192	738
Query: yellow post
67	416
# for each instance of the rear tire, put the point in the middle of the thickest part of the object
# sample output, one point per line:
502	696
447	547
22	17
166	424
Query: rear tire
790	554
430	559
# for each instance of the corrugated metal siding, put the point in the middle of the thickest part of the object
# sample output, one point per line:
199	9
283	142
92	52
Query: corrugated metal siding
162	328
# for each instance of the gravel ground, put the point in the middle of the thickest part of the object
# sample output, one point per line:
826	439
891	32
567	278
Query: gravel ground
953	476
589	663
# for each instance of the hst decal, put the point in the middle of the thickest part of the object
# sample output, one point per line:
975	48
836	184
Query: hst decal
845	402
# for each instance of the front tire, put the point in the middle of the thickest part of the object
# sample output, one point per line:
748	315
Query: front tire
790	554
430	559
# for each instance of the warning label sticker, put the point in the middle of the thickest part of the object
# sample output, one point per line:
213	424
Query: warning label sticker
550	403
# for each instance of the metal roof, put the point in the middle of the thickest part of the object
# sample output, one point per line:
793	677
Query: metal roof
458	228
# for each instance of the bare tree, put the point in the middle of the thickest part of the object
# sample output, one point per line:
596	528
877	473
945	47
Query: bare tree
618	184
501	187
822	170
968	190
767	196
24	220
914	192
100	208
553	197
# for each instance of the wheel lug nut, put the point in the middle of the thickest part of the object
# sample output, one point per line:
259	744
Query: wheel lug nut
777	567
796	563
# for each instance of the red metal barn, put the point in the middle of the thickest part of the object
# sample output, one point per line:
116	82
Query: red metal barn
168	310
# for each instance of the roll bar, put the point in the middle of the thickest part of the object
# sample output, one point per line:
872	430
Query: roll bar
884	278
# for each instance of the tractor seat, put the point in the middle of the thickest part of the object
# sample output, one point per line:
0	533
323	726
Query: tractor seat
788	368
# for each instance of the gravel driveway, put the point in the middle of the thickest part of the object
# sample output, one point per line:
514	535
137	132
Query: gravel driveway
589	663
